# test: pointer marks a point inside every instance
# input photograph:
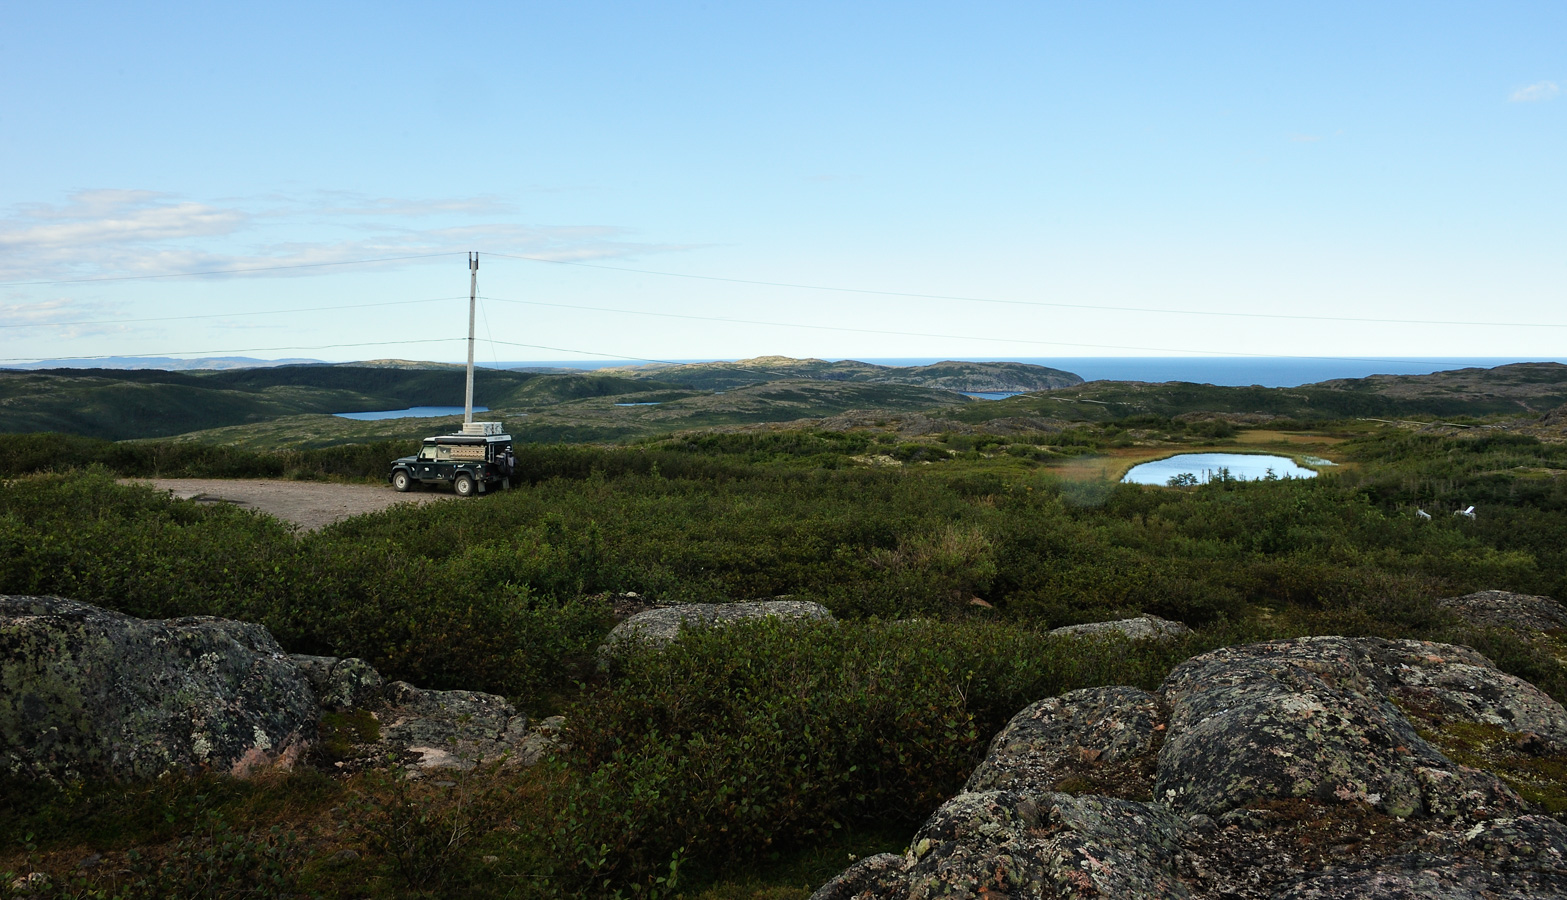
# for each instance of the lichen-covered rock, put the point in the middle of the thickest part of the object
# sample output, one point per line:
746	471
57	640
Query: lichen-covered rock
1270	722
1524	857
1142	628
1315	717
1458	684
341	683
448	729
1006	843
1505	609
1052	738
660	627
1290	770
879	877
86	691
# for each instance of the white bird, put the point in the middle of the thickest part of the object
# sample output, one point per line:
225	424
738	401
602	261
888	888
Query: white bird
1468	513
1424	516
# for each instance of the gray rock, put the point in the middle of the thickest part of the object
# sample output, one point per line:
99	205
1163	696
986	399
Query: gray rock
1505	609
1290	771
879	877
1049	739
341	683
87	691
1286	720
1315	718
1142	628
1511	857
660	627
1006	843
448	729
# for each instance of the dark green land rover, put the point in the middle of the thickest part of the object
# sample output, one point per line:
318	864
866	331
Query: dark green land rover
474	461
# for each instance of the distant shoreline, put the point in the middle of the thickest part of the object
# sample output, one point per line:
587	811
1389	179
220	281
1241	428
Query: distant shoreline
1226	371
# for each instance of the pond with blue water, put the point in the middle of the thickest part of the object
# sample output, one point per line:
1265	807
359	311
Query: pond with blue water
412	412
1204	467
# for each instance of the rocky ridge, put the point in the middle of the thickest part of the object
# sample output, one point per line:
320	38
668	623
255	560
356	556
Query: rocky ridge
1310	768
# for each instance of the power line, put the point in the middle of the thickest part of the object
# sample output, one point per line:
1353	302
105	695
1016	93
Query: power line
950	337
240	350
1043	303
264	312
346	262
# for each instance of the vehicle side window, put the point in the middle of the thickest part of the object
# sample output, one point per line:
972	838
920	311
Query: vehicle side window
427	453
443	454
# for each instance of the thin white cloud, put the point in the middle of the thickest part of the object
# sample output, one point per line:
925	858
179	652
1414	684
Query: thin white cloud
353	203
125	233
54	317
1540	90
95	218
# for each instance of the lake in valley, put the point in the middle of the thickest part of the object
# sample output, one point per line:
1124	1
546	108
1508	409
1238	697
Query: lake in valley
412	412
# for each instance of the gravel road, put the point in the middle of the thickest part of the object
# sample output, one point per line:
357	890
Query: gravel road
309	504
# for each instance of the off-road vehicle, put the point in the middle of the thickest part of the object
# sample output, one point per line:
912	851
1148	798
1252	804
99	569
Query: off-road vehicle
474	461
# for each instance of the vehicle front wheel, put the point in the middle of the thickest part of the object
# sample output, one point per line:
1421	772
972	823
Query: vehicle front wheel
464	485
401	481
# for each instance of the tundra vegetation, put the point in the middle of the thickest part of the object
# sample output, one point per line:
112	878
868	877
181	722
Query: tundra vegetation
749	761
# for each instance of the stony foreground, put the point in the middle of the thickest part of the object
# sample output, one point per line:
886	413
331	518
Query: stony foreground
86	691
1292	770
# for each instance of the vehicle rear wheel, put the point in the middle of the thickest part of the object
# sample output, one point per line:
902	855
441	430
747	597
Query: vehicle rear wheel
401	481
464	485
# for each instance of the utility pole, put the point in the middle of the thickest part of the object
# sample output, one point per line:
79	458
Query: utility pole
473	294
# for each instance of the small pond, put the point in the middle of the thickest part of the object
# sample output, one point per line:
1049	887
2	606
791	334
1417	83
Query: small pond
412	412
1205	466
643	403
991	395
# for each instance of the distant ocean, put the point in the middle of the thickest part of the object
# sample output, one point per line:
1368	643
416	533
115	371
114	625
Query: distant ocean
1230	370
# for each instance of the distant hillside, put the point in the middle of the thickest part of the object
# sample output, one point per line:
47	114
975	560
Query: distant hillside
948	376
1521	388
279	405
139	403
165	363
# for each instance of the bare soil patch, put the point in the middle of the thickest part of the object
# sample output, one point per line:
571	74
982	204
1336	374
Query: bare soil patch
309	504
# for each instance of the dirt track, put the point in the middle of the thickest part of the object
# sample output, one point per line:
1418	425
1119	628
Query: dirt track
311	505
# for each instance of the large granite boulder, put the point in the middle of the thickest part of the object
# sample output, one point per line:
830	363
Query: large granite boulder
1505	609
85	691
1294	770
1317	718
1141	628
660	627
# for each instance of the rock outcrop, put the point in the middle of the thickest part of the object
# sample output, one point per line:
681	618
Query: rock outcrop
85	691
1505	609
1142	628
423	730
660	627
1295	770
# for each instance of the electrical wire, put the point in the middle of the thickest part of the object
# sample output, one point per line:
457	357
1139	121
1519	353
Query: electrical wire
950	337
231	315
1043	303
346	262
240	350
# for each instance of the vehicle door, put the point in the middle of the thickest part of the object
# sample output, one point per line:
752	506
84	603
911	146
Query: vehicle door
424	466
443	467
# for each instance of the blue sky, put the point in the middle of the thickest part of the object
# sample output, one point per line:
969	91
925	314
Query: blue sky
1203	162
